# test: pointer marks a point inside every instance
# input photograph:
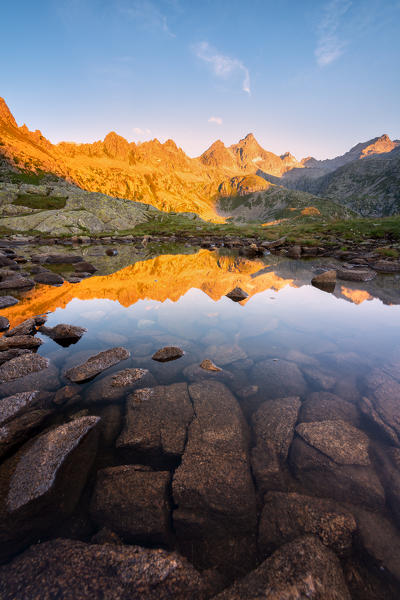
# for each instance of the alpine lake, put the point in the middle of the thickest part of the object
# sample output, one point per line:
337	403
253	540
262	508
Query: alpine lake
276	428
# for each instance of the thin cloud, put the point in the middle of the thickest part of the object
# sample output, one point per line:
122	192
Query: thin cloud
139	132
148	15
222	65
216	120
330	44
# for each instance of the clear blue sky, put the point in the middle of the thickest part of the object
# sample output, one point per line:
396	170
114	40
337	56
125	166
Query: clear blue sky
310	77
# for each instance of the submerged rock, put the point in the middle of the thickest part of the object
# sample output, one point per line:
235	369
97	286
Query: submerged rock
356	274
6	355
338	440
64	334
286	516
216	509
273	425
156	421
325	406
21	366
304	568
97	363
44	379
6	301
78	571
116	386
279	379
57	259
46	482
237	294
132	500
167	353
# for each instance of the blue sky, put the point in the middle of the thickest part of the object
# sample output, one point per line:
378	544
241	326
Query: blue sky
310	77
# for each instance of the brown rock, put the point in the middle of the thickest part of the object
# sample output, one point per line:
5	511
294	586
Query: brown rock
117	385
356	274
278	379
208	365
132	500
78	571
64	334
48	278
237	294
27	327
294	251
19	341
324	278
324	406
167	353
21	366
96	364
304	568
285	517
85	267
6	301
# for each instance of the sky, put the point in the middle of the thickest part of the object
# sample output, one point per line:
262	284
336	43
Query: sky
313	77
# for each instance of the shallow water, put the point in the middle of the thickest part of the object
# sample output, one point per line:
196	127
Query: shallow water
336	339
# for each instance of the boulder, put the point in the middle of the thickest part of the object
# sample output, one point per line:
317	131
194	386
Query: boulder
68	394
17	283
6	301
273	425
356	274
386	266
208	365
85	267
27	327
21	366
57	259
4	324
156	422
167	353
304	568
115	386
382	406
48	278
294	251
132	501
278	378
64	334
286	516
78	571
324	278
6	355
322	476
341	442
44	481
212	488
237	294
19	341
319	378
19	415
44	379
96	364
324	406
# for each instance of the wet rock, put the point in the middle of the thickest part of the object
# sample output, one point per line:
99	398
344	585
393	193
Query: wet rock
132	500
381	540
319	377
285	517
279	379
304	568
97	363
78	571
68	394
116	386
85	267
44	379
386	266
56	259
384	430
27	327
21	366
19	341
64	334
41	475
357	484
17	283
106	536
216	510
19	414
208	365
6	301
388	461
340	441
324	406
324	278
4	324
383	395
273	425
226	354
237	294
110	424
6	355
156	421
356	274
49	278
167	353
40	320
7	262
294	251
111	252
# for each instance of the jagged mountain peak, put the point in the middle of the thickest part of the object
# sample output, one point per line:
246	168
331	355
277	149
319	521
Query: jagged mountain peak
6	115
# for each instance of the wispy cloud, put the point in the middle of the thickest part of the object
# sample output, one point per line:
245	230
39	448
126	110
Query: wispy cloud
330	43
216	120
141	133
148	14
222	65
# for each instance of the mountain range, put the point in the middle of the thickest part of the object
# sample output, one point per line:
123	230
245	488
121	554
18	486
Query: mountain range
243	180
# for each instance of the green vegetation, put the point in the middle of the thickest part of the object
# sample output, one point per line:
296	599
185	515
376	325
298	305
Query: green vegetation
40	202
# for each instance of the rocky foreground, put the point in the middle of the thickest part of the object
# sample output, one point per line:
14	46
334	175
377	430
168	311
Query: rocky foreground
177	475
